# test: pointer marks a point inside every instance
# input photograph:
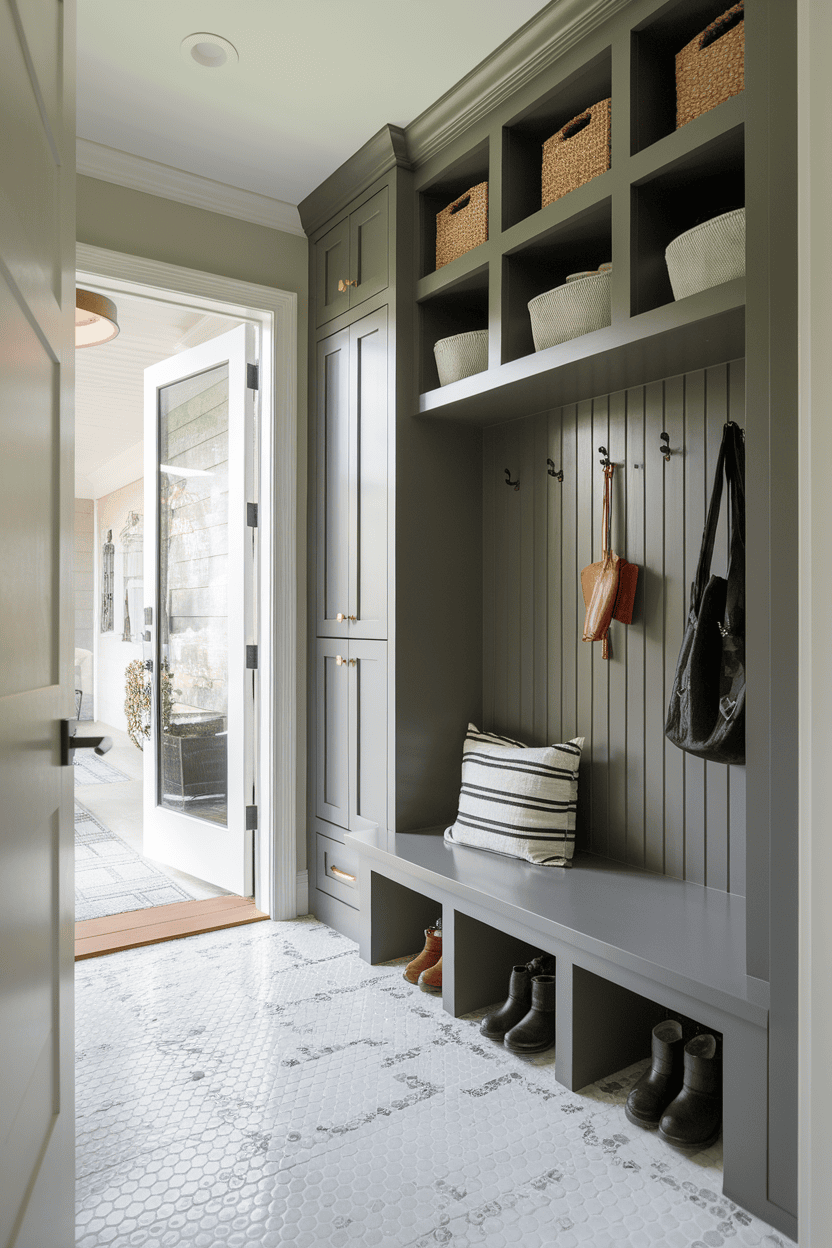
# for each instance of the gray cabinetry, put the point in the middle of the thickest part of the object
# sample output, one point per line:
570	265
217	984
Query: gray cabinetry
351	260
352	480
351	753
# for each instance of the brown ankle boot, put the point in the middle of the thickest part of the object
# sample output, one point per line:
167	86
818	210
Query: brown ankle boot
432	977
429	956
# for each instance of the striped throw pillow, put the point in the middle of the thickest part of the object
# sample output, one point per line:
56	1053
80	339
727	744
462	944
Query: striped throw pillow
517	799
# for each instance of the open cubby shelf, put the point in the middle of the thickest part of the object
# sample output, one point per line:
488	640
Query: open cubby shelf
469	170
655	43
581	242
524	135
456	308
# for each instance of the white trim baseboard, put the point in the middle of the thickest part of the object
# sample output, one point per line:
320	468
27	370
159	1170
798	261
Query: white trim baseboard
281	800
108	164
302	892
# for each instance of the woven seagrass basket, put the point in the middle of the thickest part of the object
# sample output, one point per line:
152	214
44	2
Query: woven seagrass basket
578	307
461	355
462	225
578	152
710	253
711	68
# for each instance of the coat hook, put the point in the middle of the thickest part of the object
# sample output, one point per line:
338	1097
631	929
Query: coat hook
605	462
665	446
509	481
552	472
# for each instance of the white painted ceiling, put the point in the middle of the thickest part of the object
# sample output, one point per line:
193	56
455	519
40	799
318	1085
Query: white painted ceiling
109	387
315	79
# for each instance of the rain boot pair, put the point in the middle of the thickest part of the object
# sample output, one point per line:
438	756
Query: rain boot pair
680	1095
525	1022
426	968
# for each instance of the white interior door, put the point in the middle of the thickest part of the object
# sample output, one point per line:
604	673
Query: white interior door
200	622
37	286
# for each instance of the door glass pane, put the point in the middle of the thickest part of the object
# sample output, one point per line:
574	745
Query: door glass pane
192	660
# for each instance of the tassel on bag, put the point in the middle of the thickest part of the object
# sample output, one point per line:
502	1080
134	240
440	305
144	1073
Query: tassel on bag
609	587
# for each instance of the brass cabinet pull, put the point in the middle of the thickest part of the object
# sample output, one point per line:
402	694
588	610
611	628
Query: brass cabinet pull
342	875
340	660
340	617
342	285
353	662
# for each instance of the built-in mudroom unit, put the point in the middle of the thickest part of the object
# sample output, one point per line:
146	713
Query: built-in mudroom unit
449	525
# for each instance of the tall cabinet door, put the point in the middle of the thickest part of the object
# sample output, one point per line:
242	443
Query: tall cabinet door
368	734
334	484
352	481
368	477
332	756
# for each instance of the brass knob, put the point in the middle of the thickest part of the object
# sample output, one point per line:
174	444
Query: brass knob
340	617
340	660
343	286
353	662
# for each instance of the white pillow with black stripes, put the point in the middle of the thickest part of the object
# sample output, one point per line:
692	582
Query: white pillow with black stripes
518	799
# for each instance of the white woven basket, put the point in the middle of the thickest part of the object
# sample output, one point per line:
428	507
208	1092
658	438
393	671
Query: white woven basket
710	253
461	355
570	310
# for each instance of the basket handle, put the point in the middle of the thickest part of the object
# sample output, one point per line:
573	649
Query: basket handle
575	126
460	204
721	26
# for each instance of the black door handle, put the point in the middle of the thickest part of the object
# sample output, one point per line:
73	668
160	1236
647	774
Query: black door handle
70	741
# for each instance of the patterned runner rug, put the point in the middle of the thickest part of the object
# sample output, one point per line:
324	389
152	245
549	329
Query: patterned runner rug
91	769
110	877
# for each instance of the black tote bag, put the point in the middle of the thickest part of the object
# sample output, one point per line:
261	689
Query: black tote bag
706	715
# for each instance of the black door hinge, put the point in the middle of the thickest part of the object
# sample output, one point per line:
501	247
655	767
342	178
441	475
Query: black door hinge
251	657
253	376
251	818
251	515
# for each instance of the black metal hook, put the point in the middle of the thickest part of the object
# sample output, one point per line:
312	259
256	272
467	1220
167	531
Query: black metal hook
665	445
605	462
509	481
553	472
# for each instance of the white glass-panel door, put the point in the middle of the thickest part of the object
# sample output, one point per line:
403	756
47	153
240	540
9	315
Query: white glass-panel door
200	431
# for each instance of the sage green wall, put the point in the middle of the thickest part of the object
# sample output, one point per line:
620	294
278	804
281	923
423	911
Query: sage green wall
160	229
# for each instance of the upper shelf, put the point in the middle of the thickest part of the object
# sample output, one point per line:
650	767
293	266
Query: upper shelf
704	329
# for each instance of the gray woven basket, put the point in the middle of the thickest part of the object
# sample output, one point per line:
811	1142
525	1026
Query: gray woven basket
461	355
576	308
707	255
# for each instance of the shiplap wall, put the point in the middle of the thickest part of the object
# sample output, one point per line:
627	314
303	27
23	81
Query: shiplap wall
641	800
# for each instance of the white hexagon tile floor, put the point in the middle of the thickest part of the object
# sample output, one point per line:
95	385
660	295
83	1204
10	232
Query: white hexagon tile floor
264	1086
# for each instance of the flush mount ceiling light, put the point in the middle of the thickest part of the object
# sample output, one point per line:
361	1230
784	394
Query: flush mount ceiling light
95	319
209	51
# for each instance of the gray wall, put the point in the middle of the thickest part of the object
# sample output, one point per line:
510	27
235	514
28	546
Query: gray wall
641	800
160	229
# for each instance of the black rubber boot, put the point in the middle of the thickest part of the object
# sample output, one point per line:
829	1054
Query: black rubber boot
659	1085
501	1020
536	1031
691	1122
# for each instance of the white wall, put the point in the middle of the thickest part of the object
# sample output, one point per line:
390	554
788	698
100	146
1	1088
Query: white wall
113	654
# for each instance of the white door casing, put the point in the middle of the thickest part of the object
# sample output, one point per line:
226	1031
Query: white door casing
282	606
176	832
37	272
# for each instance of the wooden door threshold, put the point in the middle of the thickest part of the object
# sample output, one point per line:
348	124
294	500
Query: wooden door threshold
115	932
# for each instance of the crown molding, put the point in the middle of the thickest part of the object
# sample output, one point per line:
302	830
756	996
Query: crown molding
529	51
379	154
108	164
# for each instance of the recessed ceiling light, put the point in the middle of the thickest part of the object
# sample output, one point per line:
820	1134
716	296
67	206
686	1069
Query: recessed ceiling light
209	51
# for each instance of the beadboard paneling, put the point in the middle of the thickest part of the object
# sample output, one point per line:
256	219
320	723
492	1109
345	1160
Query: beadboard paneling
641	800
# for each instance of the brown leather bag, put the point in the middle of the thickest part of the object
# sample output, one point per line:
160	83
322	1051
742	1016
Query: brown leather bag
609	586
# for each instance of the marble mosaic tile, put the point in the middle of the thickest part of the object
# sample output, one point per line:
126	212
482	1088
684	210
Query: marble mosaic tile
263	1086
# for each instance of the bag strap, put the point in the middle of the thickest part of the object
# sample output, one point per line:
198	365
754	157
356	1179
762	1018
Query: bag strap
606	515
731	464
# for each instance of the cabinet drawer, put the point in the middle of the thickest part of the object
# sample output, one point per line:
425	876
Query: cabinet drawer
337	870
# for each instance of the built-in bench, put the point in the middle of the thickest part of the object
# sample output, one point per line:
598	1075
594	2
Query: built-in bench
630	945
